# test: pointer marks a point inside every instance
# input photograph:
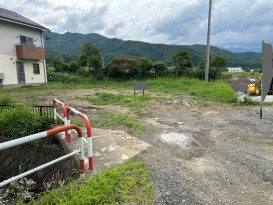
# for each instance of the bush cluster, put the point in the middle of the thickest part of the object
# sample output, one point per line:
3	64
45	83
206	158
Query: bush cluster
63	78
21	121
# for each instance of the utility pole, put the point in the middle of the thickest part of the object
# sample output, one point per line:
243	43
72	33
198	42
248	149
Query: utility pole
208	45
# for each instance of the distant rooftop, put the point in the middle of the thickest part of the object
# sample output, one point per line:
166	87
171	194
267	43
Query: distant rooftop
8	15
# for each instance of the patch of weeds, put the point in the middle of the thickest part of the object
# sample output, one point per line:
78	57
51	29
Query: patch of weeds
77	121
7	101
136	103
248	101
113	121
129	183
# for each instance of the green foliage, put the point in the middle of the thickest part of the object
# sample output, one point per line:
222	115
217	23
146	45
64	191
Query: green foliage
122	67
248	101
218	91
95	62
73	67
116	121
219	61
134	102
182	61
58	64
113	47
144	66
215	91
64	78
160	67
129	183
21	121
82	60
90	50
7	101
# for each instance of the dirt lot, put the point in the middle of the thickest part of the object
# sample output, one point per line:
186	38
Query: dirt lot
202	152
228	160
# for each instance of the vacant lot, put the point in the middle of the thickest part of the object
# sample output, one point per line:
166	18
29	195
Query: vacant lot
202	152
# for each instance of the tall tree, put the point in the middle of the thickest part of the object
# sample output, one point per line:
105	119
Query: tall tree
95	62
182	61
58	63
144	66
160	67
90	50
219	62
82	60
122	67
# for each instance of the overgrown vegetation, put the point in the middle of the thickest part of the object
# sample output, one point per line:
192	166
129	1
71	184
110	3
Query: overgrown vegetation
133	102
129	183
115	121
19	121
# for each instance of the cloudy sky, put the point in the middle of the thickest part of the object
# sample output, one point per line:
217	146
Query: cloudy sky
235	23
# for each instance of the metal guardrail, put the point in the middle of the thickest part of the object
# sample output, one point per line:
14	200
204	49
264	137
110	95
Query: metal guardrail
40	135
66	119
89	134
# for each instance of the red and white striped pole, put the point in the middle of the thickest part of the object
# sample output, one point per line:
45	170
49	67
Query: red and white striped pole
89	135
55	101
55	113
69	136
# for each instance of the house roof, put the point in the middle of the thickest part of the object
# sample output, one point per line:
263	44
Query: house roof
12	16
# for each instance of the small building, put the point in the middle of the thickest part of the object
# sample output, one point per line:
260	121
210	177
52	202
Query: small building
22	53
235	69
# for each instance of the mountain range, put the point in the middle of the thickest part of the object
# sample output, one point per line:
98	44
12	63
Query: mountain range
68	45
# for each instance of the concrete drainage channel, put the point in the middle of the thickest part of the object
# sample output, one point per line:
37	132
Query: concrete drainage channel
111	148
19	159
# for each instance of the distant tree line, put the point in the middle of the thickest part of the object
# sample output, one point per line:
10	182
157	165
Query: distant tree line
90	62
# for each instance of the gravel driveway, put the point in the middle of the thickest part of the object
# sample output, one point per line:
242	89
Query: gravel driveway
225	156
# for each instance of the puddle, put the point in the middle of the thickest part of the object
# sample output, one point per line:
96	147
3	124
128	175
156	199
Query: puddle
183	140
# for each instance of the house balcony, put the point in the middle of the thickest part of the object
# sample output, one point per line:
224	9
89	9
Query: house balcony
29	52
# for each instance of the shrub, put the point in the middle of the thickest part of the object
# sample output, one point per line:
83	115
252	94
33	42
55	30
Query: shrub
122	67
73	67
21	121
144	66
58	63
160	67
6	101
63	78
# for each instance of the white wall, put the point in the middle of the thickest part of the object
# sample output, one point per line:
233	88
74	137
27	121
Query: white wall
9	37
8	67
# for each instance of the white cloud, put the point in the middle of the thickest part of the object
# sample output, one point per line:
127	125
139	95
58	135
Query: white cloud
234	23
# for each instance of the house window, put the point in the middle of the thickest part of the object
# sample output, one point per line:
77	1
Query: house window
29	40
23	39
26	40
36	68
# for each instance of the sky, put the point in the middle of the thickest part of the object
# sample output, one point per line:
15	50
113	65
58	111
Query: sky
234	23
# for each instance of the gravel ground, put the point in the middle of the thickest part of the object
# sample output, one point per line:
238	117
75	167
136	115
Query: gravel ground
228	161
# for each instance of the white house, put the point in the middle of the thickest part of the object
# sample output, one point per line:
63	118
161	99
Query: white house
22	53
235	69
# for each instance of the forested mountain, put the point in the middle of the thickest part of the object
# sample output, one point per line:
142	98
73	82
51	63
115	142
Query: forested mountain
68	46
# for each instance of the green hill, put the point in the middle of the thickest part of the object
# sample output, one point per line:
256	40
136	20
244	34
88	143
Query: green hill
68	46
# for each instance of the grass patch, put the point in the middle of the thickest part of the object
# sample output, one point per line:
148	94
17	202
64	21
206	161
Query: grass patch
129	183
114	121
218	91
248	101
133	102
245	74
